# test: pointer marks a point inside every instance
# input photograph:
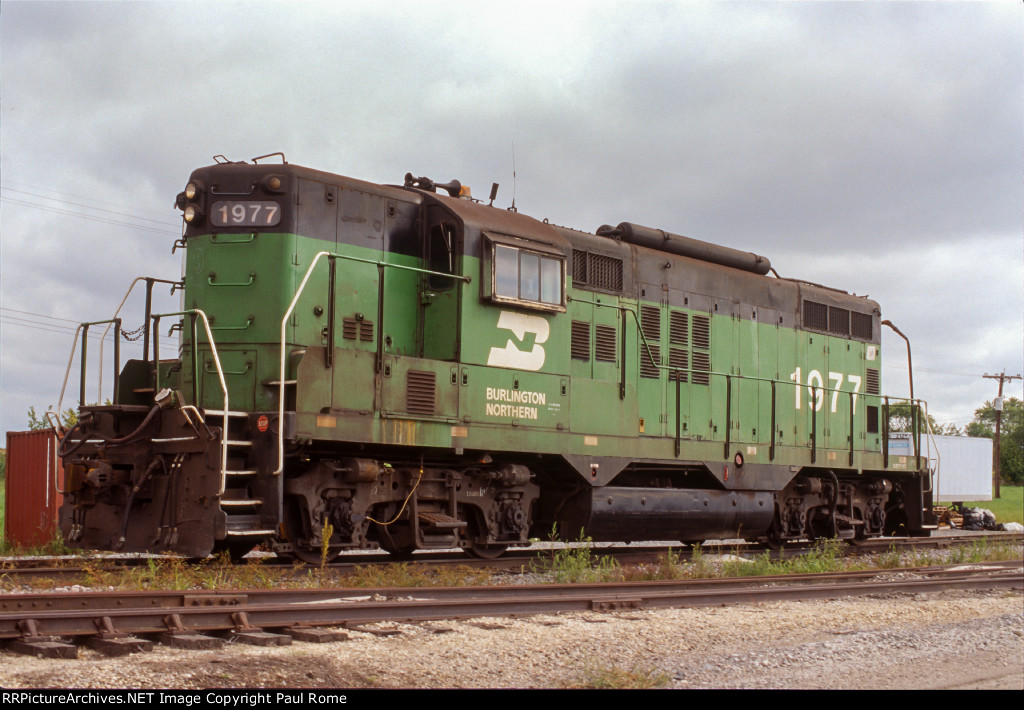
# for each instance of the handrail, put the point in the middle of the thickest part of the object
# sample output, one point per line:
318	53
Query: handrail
291	307
194	313
74	345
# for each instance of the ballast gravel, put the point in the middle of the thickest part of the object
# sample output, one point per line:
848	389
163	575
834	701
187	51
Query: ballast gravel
955	639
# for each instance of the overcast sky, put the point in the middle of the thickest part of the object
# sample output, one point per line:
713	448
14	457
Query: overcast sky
873	147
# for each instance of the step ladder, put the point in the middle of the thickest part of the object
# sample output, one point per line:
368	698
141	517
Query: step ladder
243	511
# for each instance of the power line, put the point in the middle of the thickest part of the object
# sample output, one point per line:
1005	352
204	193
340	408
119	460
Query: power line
92	199
39	315
91	218
47	327
161	222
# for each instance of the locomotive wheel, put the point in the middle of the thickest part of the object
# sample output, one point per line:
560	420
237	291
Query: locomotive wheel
486	552
773	541
398	542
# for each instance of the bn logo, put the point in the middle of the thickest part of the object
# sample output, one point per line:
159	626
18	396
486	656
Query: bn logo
513	355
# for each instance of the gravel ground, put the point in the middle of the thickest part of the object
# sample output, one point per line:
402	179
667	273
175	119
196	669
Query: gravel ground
942	640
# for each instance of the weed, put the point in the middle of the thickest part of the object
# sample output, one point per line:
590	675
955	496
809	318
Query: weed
617	677
890	559
700	567
325	543
577	564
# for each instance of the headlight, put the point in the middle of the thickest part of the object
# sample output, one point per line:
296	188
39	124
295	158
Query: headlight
192	189
193	214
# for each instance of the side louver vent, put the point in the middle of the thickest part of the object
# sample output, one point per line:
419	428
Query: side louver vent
421	392
702	332
678	328
677	357
604	344
700	339
650	351
701	368
874	385
352	329
579	346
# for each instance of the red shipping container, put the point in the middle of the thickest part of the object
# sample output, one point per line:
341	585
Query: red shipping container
30	491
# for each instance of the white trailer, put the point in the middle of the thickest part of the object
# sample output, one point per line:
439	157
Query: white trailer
962	464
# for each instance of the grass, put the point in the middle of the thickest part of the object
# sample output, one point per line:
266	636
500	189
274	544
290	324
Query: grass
54	547
221	573
578	564
404	574
1008	508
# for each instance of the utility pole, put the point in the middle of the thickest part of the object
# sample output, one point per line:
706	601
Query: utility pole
998	406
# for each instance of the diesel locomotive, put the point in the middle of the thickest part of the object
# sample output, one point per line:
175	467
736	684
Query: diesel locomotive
362	366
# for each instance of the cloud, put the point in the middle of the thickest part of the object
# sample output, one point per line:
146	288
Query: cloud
872	146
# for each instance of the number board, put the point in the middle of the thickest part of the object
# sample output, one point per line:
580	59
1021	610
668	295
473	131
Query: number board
248	213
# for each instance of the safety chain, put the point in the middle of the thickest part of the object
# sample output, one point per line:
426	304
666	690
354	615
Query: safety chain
132	335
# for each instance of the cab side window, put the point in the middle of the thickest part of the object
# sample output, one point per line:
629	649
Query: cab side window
527	276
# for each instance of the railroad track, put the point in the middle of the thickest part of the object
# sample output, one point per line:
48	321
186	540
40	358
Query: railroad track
116	623
69	569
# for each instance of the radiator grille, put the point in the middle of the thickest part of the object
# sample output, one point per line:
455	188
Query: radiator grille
838	321
861	325
596	270
815	315
579	267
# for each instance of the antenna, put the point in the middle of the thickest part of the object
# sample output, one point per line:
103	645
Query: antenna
513	207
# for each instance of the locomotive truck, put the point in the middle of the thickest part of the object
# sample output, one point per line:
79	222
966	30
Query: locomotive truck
405	367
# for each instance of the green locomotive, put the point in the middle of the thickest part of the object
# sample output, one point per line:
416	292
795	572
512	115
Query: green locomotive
405	367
